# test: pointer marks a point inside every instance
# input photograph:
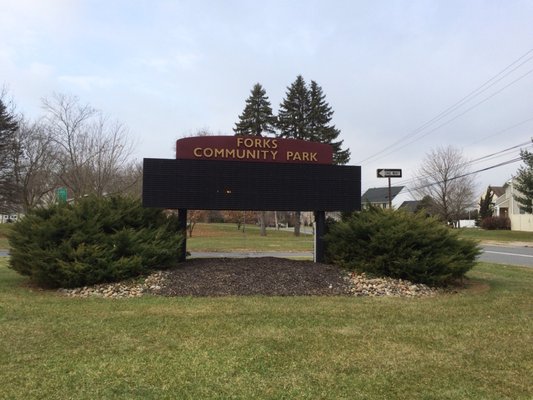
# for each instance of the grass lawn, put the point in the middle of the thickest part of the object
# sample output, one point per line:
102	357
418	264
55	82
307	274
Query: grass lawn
473	345
500	236
226	237
4	229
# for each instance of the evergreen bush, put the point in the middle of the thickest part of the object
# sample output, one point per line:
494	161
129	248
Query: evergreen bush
400	245
93	241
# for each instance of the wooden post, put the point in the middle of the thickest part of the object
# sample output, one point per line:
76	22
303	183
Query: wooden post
320	221
182	222
390	195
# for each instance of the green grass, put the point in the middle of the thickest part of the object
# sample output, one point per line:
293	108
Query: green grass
226	237
4	230
500	236
472	345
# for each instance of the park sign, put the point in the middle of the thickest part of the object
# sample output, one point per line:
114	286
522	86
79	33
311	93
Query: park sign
252	173
253	149
389	173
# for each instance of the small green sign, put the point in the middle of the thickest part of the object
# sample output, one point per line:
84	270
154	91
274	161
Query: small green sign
62	195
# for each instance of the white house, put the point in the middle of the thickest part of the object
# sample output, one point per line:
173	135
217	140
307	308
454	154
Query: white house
380	196
506	206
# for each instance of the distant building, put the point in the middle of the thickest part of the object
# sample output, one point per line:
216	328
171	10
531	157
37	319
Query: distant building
496	191
505	205
410	205
379	197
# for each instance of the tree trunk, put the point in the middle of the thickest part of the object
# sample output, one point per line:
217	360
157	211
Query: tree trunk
262	218
298	215
276	220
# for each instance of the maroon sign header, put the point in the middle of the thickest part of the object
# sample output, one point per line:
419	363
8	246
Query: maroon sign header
253	148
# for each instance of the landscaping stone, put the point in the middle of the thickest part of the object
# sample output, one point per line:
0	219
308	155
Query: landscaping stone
266	276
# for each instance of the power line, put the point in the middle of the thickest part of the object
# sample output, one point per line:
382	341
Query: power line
469	173
487	157
457	116
501	131
484	87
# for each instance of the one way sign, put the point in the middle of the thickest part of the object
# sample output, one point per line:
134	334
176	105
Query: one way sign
389	173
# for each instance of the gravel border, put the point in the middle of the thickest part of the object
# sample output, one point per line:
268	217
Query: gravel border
265	276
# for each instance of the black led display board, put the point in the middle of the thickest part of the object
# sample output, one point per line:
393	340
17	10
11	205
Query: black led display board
256	186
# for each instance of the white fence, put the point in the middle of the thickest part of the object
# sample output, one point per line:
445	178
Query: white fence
6	218
522	222
467	223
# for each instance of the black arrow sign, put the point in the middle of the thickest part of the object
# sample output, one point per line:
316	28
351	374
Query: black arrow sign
389	173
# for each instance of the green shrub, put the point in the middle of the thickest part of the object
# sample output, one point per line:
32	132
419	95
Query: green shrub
93	241
400	245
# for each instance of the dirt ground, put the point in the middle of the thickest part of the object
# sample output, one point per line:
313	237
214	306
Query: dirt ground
267	276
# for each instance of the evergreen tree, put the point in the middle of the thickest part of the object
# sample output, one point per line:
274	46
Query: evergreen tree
8	129
320	129
305	114
293	121
485	204
524	182
257	116
293	115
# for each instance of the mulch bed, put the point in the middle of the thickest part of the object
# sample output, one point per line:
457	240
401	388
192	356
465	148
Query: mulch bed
268	276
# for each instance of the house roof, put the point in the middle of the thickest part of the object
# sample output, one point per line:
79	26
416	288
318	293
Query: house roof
381	194
410	205
498	190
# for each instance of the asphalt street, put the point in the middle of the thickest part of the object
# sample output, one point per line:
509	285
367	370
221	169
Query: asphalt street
510	255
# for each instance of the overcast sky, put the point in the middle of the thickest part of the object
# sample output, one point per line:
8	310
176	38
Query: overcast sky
169	68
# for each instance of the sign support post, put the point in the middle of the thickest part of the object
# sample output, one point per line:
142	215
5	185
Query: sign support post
390	195
320	230
389	173
182	222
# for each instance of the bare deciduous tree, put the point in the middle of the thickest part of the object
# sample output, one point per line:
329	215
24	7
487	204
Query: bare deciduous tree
34	165
92	151
445	178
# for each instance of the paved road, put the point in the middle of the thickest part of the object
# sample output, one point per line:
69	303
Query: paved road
494	254
511	255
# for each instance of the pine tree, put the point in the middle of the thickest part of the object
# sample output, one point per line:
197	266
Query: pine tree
257	116
8	129
293	121
485	204
319	118
305	114
524	182
293	115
